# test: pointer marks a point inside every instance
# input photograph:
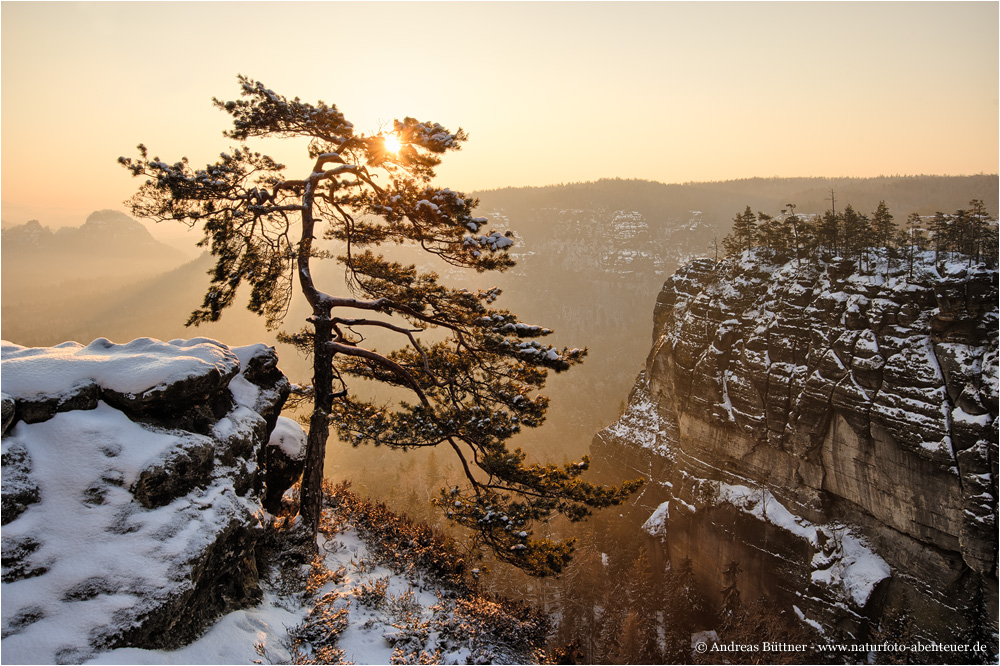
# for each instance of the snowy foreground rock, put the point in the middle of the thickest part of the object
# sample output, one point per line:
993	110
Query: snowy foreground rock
381	591
833	431
132	491
136	481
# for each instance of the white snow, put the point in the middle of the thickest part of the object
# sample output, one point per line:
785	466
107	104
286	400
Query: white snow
135	368
243	391
812	623
761	503
844	560
231	640
407	601
656	524
961	416
101	560
134	554
289	436
641	424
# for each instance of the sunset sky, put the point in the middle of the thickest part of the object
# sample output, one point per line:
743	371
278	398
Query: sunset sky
549	92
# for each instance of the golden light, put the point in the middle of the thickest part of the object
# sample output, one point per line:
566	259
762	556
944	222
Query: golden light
392	143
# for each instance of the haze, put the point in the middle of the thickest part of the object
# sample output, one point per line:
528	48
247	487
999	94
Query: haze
549	92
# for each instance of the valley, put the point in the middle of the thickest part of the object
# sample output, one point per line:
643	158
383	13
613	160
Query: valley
756	469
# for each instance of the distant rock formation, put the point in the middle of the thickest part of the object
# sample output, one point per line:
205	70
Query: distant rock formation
133	478
832	431
109	245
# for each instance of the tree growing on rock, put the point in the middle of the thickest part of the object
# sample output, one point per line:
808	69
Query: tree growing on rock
471	383
744	233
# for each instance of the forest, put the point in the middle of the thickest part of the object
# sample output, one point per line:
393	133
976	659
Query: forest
969	234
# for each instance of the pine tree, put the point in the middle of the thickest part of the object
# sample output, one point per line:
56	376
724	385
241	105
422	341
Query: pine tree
731	601
609	643
775	235
471	390
883	228
983	242
744	233
642	599
979	628
856	230
828	232
630	648
940	227
800	240
683	610
912	240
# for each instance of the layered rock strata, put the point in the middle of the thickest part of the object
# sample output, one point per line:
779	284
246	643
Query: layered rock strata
833	431
132	484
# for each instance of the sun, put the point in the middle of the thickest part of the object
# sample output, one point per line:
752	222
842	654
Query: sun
392	143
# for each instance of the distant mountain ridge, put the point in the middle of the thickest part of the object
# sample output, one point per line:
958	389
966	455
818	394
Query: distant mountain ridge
591	259
109	249
104	230
719	201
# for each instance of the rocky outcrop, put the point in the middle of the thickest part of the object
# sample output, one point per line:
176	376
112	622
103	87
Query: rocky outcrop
132	491
834	431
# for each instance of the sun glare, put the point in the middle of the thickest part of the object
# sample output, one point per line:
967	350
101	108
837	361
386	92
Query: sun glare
392	143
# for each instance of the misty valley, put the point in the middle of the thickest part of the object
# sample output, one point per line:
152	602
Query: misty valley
791	384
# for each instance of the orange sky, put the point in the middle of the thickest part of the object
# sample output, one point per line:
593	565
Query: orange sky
549	92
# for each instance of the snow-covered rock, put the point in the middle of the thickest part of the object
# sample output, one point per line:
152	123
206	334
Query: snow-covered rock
284	459
856	412
382	590
131	491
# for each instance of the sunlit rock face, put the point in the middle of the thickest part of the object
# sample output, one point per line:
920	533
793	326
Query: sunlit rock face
132	490
832	430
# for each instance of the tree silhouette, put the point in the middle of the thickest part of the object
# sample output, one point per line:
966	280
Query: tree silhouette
883	227
744	233
828	232
970	234
912	240
471	388
731	600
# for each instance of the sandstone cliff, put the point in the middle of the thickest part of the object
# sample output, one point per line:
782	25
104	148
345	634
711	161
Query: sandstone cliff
133	478
833	431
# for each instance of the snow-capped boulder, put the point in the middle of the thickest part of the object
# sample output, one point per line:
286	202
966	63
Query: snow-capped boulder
145	376
852	408
131	491
284	459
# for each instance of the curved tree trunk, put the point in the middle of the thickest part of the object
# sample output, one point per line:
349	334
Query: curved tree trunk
311	491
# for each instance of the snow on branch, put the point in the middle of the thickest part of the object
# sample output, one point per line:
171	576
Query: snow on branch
263	112
432	136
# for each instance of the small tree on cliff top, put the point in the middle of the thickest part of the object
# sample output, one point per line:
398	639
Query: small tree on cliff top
471	391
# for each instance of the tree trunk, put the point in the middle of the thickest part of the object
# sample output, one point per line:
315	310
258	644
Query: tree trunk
311	492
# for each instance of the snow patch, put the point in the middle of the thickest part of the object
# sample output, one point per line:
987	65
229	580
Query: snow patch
289	436
138	367
843	558
656	524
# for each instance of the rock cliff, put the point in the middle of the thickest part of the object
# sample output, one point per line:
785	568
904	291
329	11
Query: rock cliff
831	430
133	478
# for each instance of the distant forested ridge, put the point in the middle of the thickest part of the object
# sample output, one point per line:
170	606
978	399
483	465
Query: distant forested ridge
591	259
923	195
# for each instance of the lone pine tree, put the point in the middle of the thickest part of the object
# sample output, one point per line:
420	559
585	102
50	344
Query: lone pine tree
471	388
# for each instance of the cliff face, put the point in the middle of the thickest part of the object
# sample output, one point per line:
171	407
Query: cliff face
133	478
832	431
